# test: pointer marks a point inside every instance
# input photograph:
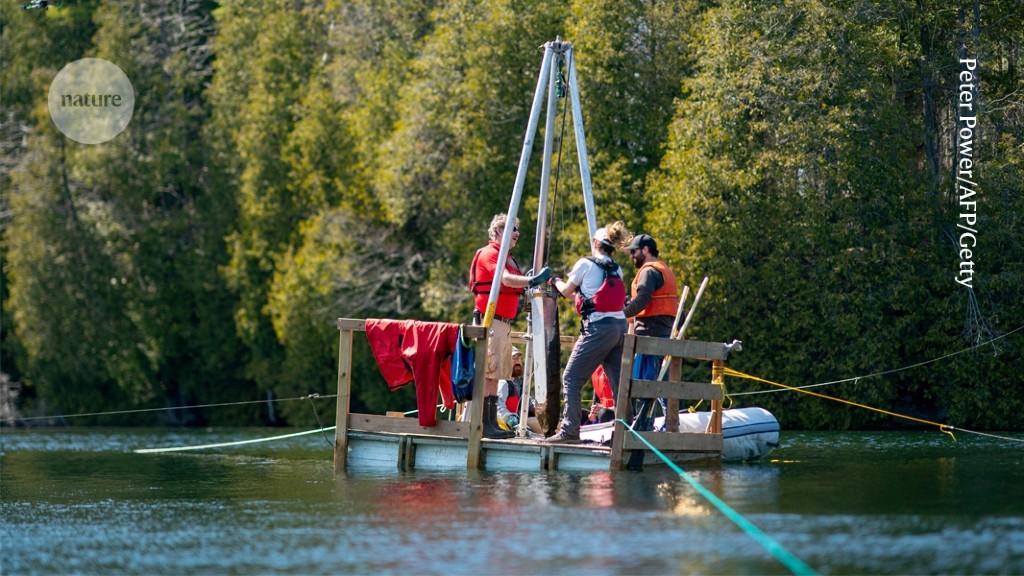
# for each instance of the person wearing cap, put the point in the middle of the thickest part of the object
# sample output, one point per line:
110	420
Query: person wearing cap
652	304
596	284
499	336
653	299
510	394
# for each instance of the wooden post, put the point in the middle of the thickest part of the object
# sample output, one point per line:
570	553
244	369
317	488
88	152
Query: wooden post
718	378
342	405
675	374
476	409
623	402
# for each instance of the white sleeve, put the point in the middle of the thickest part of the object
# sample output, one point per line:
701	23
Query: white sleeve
579	271
502	397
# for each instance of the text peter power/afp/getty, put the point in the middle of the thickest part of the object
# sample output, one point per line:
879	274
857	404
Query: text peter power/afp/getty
966	166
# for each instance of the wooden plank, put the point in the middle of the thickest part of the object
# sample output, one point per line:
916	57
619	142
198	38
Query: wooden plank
476	410
678	442
359	325
342	402
678	390
566	342
717	377
377	423
356	324
440	456
675	371
373	451
694	349
623	400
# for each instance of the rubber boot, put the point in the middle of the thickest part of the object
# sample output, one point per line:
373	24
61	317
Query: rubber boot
491	429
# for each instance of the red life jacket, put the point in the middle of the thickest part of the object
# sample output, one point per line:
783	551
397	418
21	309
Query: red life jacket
602	388
610	296
481	274
515	391
512	403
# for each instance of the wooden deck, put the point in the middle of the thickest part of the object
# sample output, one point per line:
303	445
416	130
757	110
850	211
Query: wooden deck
368	441
382	450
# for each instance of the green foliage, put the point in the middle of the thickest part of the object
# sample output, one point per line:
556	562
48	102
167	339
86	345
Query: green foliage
792	179
632	59
292	163
120	242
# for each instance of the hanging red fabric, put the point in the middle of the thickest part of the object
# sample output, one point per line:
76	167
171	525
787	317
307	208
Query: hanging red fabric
420	352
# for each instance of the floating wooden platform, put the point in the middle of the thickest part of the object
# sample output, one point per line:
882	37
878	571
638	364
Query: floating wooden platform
374	441
381	450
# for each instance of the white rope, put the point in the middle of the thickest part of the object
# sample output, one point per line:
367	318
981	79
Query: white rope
884	372
223	444
986	434
139	410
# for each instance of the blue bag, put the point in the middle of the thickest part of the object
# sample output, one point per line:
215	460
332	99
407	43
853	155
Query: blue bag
463	369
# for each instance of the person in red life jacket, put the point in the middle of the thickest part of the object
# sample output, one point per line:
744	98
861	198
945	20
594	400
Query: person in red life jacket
510	394
652	304
596	284
499	340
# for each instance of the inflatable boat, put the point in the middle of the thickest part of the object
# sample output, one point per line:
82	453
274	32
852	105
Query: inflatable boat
747	433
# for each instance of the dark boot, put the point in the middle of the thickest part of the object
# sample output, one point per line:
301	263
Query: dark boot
491	429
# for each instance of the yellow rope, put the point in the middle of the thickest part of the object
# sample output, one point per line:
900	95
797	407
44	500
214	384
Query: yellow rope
944	428
716	380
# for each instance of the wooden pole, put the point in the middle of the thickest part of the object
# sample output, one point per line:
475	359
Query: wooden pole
623	402
476	408
689	315
342	405
718	378
675	374
675	369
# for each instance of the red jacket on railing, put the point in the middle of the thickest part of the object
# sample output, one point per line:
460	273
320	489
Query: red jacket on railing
413	351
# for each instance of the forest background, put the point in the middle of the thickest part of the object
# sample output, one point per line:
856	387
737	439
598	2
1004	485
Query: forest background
293	162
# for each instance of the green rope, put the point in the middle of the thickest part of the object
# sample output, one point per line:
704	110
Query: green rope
795	565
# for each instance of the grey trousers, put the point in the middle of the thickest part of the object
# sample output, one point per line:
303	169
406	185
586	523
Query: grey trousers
600	344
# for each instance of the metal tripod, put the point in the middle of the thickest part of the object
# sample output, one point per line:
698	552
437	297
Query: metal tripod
543	316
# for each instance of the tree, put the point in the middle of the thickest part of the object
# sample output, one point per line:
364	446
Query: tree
788	181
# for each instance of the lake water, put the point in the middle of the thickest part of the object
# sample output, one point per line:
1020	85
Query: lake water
78	501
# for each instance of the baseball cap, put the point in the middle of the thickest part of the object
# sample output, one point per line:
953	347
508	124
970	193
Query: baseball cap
641	240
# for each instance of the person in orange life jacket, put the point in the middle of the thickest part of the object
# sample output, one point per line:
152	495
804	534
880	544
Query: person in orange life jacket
652	304
596	283
510	393
499	341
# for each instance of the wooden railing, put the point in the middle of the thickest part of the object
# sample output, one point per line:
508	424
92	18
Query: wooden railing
674	390
472	431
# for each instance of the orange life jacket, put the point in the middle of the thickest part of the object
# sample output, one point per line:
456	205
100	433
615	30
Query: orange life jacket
663	300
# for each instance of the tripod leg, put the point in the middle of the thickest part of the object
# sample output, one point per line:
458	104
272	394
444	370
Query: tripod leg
581	146
517	190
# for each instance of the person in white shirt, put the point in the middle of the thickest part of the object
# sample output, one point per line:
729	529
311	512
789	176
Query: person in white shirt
596	284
